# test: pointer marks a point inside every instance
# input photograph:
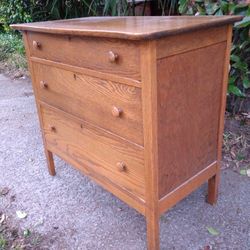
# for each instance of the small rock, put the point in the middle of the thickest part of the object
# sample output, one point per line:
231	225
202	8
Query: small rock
18	75
4	191
12	198
14	233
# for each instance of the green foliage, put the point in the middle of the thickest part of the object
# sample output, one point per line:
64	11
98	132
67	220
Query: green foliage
14	11
239	79
21	11
10	43
3	243
116	8
12	51
168	7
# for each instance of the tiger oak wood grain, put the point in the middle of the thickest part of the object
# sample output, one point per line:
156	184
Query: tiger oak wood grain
174	45
88	53
96	103
213	183
89	145
131	28
135	103
88	72
187	125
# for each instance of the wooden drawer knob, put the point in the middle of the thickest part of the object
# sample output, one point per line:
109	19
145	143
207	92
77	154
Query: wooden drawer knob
36	45
116	112
44	85
113	57
121	166
52	128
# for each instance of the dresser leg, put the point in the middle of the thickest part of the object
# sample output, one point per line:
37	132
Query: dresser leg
213	185
50	162
153	237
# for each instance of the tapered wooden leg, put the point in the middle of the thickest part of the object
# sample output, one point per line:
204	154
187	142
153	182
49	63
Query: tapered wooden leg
213	186
50	162
153	237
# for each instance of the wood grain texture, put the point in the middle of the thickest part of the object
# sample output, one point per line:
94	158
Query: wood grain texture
88	72
149	90
133	28
213	183
88	53
174	45
144	119
186	188
188	115
48	154
93	99
91	146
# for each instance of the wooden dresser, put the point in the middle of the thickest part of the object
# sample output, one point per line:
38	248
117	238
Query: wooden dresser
136	103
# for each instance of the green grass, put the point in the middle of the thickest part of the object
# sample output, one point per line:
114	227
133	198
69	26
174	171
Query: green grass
3	242
12	52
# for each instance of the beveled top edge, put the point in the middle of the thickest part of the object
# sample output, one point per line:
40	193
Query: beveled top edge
132	28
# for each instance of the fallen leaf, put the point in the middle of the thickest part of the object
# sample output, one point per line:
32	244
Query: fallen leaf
21	214
248	172
212	231
26	233
243	172
4	191
39	222
2	218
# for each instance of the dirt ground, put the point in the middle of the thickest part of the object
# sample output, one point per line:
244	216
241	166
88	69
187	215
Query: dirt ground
71	212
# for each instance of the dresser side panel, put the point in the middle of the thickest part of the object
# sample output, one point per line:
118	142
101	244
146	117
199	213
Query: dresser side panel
189	99
173	45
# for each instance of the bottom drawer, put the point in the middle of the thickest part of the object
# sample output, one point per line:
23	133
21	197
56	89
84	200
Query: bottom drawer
103	153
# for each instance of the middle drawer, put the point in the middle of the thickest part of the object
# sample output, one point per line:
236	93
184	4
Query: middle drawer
110	105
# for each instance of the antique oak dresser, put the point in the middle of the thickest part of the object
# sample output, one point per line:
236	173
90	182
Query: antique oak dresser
136	103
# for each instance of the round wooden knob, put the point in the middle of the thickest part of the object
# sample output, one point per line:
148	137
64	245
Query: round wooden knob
44	85
36	45
121	166
117	112
52	128
113	57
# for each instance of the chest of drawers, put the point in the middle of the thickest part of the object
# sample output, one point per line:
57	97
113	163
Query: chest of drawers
136	103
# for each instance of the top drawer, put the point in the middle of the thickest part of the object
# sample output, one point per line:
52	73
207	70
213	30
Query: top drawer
104	55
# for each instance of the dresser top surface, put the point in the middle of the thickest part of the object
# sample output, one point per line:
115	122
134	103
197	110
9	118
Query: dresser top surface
133	28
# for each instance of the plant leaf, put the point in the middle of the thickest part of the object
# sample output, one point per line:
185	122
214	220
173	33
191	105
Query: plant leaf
243	172
212	231
243	23
235	90
246	82
235	58
26	233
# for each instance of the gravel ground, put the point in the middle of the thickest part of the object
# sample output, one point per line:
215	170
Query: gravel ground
69	211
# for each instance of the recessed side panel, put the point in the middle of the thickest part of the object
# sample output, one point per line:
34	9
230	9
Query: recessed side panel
189	97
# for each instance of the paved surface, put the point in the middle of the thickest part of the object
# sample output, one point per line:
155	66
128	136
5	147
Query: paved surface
71	212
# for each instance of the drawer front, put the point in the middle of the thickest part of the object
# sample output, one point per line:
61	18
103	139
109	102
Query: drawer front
109	105
102	153
108	56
